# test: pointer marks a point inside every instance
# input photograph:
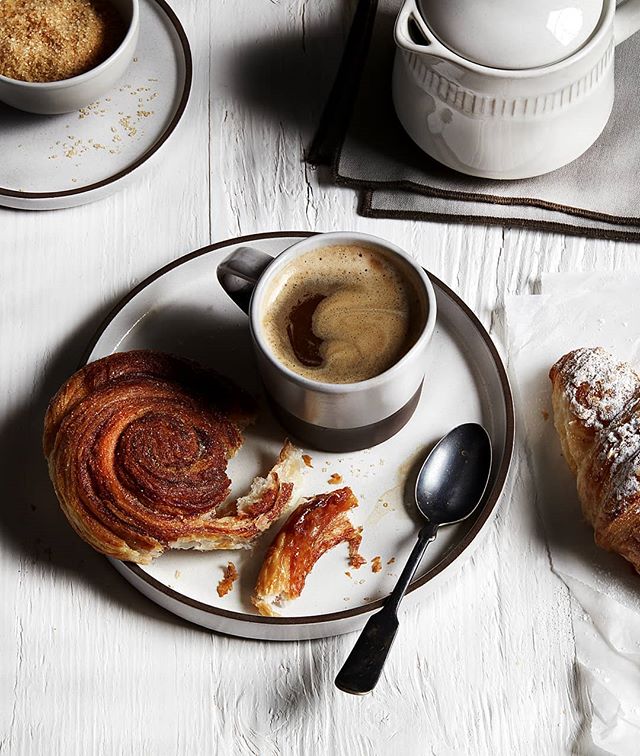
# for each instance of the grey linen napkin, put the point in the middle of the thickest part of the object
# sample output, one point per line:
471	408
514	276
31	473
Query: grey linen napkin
597	195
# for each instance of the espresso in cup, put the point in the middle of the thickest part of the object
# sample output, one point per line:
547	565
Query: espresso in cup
341	325
342	314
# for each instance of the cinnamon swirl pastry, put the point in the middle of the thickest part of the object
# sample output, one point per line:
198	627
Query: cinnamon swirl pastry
596	407
137	445
316	526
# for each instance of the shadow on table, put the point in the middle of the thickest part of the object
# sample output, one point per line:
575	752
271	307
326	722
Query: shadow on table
286	79
33	525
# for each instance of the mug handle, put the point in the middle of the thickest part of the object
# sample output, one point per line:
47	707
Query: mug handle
626	21
239	273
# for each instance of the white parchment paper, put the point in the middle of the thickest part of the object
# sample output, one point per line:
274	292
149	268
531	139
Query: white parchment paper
577	310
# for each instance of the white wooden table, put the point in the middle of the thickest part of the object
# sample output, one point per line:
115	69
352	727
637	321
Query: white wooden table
87	665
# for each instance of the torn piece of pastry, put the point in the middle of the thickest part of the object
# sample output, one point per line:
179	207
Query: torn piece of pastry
137	445
596	407
267	500
228	579
317	525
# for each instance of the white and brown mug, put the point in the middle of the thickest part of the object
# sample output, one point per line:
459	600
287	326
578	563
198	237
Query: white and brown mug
336	417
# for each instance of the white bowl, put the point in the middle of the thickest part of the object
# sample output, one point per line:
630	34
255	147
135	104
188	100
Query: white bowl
51	97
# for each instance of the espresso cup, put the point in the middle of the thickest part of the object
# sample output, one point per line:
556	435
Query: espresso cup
336	417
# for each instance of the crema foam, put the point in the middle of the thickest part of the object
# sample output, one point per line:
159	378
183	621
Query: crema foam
342	314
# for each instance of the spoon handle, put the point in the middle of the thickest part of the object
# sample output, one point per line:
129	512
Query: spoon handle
363	667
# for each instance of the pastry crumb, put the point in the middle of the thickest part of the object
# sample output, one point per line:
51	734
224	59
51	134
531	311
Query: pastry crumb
335	479
356	560
228	579
348	574
545	415
376	564
306	458
392	560
177	574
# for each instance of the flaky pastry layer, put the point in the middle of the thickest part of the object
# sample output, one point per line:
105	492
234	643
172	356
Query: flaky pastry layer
317	525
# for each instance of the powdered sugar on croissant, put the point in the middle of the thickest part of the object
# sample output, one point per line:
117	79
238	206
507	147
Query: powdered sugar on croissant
596	406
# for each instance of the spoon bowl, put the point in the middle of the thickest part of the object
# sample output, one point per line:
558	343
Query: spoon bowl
454	476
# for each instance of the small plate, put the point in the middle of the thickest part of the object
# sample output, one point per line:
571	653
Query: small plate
182	309
53	162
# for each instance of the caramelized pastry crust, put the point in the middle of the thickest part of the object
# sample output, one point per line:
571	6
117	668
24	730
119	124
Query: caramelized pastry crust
596	406
316	526
137	445
228	579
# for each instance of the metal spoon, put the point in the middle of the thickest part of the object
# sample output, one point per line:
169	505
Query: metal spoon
450	485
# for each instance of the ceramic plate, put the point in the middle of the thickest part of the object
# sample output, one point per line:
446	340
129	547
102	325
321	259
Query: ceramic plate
182	309
52	162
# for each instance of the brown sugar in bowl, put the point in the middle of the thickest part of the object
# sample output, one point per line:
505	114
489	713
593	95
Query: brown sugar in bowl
76	91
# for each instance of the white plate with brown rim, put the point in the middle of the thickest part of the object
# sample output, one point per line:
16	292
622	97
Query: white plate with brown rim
182	309
53	162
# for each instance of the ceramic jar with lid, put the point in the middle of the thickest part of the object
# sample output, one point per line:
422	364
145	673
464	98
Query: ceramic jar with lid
507	89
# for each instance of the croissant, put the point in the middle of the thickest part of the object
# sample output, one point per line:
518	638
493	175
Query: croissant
137	445
596	408
317	525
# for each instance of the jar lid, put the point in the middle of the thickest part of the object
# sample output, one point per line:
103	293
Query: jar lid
512	34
